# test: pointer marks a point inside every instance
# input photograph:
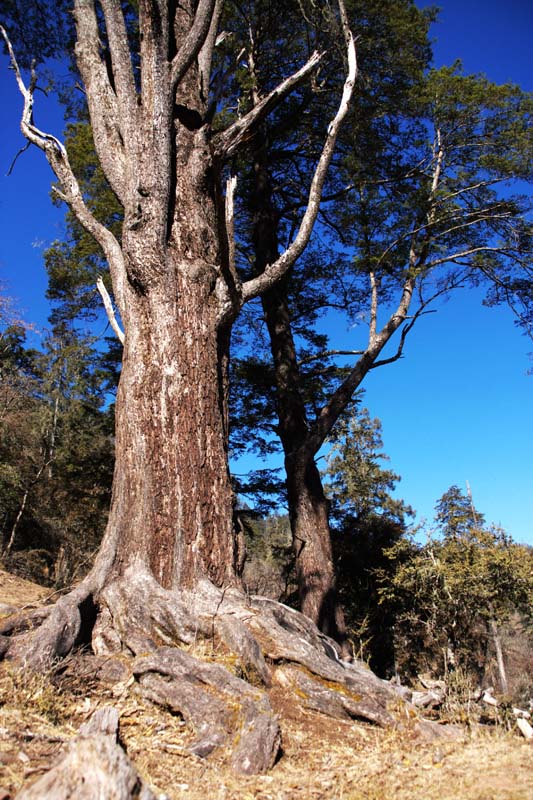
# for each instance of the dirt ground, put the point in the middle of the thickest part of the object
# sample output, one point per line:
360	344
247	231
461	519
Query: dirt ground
322	758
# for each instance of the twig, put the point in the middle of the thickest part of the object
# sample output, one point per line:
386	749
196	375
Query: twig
22	150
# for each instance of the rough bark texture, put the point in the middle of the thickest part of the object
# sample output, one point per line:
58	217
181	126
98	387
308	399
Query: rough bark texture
172	499
93	766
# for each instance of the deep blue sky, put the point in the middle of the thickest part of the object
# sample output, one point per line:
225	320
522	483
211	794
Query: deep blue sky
459	406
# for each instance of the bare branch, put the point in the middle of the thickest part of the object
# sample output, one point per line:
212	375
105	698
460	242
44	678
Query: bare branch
275	271
338	401
458	214
329	354
227	142
439	158
471	188
229	213
193	42
452	257
205	56
373	306
108	305
22	150
69	190
420	312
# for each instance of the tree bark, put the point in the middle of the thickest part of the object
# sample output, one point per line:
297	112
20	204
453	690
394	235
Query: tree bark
496	638
315	570
172	499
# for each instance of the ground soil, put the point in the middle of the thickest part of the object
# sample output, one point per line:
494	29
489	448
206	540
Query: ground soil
322	758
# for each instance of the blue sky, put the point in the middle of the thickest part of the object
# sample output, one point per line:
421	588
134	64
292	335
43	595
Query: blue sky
458	407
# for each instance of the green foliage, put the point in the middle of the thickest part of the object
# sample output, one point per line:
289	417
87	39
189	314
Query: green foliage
436	192
456	515
268	567
74	265
368	523
447	593
358	486
39	29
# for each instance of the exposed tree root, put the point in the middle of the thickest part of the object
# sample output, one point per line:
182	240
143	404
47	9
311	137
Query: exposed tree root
221	707
155	635
93	765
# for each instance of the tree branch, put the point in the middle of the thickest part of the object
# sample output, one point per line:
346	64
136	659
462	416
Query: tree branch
227	142
101	99
278	269
193	41
108	305
454	256
229	213
340	398
328	354
373	306
70	191
205	56
421	311
122	71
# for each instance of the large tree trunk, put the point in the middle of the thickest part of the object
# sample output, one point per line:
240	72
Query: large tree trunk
172	499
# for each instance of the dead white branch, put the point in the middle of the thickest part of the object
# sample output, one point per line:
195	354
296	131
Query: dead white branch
328	354
95	752
69	190
227	142
109	310
280	267
525	728
488	698
229	211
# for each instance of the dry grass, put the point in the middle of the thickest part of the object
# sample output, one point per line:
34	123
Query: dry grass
322	758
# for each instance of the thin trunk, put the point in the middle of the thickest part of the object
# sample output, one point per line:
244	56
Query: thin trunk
308	507
14	528
22	507
53	434
496	639
315	570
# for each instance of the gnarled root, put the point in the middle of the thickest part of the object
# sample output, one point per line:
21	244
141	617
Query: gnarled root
159	634
221	707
